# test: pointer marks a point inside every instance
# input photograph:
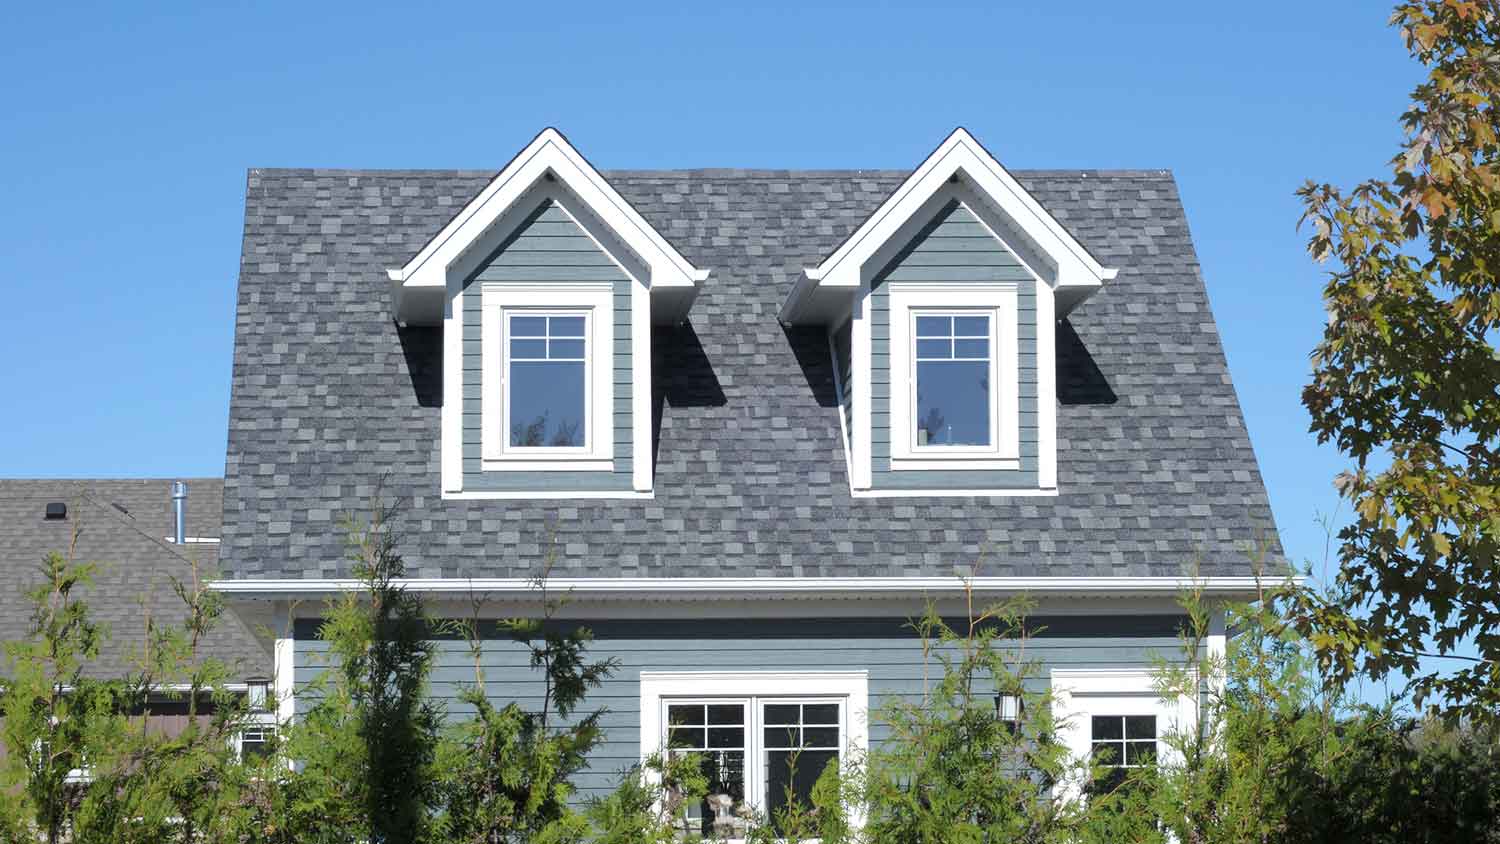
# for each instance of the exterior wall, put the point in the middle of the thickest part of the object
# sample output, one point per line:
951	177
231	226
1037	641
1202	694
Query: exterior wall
548	246
954	247
884	647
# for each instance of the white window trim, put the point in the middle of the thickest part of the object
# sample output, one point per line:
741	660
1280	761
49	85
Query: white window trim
1001	301
852	688
595	300
1079	694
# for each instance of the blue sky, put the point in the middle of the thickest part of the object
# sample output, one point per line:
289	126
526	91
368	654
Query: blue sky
127	133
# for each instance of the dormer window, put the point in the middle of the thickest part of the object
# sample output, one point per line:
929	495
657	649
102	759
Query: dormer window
546	285
951	292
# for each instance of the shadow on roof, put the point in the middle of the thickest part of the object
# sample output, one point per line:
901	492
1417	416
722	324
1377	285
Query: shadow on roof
1079	379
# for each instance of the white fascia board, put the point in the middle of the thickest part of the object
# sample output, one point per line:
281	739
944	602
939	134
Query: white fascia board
548	153
604	588
959	154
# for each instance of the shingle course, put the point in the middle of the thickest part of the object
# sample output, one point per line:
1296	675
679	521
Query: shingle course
329	397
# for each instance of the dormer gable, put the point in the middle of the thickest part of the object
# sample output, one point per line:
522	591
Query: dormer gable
546	285
942	310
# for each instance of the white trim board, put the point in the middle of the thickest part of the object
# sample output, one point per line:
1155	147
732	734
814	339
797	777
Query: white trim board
713	588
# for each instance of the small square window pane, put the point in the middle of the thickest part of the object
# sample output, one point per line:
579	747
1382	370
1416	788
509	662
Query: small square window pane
1106	753
971	326
971	349
685	714
546	404
820	713
793	774
1107	727
940	349
782	713
1140	752
528	349
528	326
1140	727
934	326
564	349
782	737
726	714
726	737
566	326
820	737
685	737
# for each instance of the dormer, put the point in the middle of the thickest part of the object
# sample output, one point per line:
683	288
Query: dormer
942	310
546	285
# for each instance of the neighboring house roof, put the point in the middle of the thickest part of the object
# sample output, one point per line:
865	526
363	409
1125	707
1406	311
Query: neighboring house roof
123	526
330	397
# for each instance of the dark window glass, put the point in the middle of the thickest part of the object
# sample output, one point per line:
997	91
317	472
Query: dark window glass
714	734
547	382
1119	743
796	753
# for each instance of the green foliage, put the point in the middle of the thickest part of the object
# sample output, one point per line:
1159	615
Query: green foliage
505	773
1404	379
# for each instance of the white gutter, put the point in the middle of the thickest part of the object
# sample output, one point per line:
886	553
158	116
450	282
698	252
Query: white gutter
724	588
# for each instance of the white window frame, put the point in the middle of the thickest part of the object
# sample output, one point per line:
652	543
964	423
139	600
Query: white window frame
1080	694
755	689
593	301
999	301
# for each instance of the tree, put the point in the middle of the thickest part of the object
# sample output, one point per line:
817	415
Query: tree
1405	378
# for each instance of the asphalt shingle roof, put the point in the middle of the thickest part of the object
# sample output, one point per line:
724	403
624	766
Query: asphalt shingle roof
1156	472
122	527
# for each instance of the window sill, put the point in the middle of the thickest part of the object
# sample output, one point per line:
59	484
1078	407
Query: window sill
547	464
957	463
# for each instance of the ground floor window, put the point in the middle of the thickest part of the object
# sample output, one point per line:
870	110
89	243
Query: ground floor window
1120	743
761	739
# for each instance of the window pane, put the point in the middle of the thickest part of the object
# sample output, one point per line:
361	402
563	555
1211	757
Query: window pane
563	349
568	326
934	326
685	737
971	349
725	771
1140	752
782	713
528	326
940	349
1140	727
685	714
726	714
953	403
1107	753
824	737
971	326
726	737
782	737
546	404
792	774
820	713
533	349
1107	727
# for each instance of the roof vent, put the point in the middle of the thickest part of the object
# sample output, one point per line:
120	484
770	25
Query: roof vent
56	511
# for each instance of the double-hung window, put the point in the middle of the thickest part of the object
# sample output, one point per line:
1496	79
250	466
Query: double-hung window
954	392
547	377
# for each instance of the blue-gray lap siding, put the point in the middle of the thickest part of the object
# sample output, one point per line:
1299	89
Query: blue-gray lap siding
548	246
883	647
954	247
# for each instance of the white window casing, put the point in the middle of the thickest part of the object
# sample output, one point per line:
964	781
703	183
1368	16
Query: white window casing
593	301
1000	301
1080	694
756	688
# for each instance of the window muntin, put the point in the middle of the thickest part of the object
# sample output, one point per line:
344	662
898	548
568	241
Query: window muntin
752	749
1120	743
953	376
547	380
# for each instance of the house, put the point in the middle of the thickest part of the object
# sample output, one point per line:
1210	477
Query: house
754	418
141	534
